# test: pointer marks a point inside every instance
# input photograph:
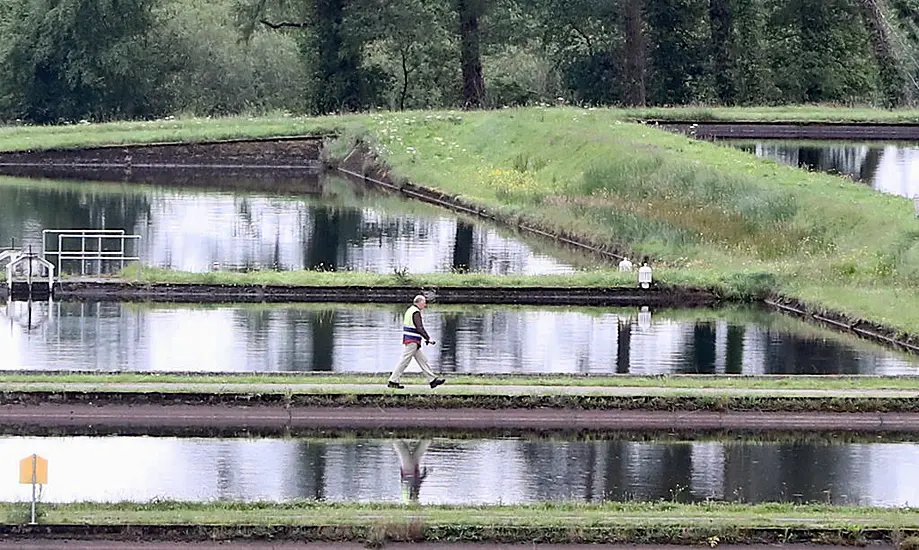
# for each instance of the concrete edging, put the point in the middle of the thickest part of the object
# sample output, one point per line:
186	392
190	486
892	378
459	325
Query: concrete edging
844	131
212	293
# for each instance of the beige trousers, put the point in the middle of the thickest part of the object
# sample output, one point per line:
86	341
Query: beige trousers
412	350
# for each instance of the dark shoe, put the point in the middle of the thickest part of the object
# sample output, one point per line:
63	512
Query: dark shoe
396	385
437	381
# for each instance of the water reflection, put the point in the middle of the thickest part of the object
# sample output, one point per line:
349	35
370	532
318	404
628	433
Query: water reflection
111	336
411	473
892	167
328	224
467	471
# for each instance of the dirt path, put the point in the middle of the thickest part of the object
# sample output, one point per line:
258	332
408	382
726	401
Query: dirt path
29	544
189	420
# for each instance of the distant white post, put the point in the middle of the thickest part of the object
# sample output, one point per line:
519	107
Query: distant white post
644	276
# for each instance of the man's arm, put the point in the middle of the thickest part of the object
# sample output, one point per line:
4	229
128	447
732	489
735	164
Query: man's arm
416	319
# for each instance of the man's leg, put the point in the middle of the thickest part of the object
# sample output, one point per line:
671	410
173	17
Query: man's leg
407	353
423	363
406	457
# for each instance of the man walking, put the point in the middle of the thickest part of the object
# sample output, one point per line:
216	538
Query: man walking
412	334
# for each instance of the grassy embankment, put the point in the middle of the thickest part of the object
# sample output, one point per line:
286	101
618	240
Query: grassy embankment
612	522
21	137
475	384
708	215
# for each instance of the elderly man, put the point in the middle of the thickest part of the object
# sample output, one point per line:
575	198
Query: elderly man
412	333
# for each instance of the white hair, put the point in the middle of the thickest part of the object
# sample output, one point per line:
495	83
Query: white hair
418	299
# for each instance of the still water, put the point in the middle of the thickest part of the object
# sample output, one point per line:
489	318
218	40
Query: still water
111	336
464	471
317	222
889	167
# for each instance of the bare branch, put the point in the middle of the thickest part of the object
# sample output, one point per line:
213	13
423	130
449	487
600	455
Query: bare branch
585	36
282	24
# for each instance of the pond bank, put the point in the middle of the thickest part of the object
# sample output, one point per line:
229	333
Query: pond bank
274	160
197	415
378	524
115	290
861	131
438	537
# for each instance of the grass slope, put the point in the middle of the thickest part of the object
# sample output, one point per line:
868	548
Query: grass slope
541	515
693	206
239	382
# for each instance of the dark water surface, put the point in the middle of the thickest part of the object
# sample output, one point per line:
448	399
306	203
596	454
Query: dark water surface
316	222
466	471
889	167
111	336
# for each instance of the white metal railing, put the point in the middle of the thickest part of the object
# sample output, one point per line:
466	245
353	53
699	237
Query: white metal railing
32	270
97	239
7	256
30	315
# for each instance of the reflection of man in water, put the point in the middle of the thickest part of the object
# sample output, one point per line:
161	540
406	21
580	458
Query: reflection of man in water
411	473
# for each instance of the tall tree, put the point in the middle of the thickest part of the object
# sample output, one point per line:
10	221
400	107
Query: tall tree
635	54
721	19
409	41
893	78
330	48
469	13
751	68
821	51
73	59
585	39
678	45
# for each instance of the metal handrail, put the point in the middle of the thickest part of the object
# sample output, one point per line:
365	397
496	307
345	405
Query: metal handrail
84	255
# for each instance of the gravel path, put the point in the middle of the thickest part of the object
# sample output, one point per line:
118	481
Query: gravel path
166	420
29	544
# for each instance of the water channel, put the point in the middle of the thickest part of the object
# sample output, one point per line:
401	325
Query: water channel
112	336
466	471
889	167
314	222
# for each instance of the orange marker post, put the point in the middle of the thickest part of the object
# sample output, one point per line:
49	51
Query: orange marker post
33	469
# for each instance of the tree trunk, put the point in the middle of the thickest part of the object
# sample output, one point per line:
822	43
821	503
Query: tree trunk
336	73
469	12
634	54
892	77
721	18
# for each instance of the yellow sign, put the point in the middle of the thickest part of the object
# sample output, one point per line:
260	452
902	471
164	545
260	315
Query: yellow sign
33	469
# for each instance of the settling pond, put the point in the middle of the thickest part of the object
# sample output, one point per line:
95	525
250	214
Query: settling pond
889	167
465	471
313	222
112	336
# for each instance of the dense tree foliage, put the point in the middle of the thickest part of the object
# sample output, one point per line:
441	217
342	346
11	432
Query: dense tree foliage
66	60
